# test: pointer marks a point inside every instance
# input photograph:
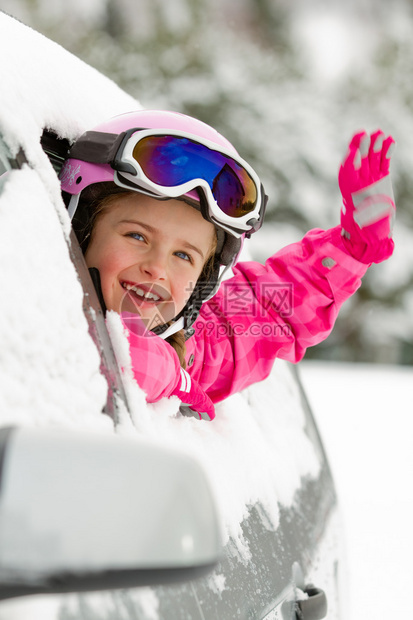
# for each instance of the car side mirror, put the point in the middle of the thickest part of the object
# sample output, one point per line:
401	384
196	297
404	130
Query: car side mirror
82	512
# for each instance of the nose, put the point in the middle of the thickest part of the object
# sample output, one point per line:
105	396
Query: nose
154	264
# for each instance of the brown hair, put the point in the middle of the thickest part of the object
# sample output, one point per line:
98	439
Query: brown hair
95	201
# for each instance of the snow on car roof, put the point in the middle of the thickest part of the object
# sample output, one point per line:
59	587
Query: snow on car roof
49	87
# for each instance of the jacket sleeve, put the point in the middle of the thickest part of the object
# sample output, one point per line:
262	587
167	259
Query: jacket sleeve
274	310
155	364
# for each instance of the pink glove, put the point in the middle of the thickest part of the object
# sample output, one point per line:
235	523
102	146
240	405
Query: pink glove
368	203
194	400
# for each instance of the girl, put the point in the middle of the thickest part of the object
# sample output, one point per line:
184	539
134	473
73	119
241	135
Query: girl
161	204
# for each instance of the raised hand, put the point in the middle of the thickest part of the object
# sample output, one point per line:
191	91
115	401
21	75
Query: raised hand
368	204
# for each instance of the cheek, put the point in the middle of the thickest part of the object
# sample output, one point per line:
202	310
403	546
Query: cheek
107	266
109	263
105	257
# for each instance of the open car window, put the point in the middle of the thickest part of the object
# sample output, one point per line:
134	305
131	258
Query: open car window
55	148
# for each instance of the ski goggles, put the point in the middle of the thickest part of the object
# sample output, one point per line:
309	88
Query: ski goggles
169	164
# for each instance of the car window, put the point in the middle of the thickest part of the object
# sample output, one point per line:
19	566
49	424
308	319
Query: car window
55	148
5	161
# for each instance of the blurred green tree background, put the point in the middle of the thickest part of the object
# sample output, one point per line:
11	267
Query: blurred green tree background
288	82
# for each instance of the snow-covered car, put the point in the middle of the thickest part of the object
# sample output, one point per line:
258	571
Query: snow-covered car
272	495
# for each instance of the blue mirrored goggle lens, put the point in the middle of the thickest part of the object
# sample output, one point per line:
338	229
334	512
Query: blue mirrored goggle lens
170	161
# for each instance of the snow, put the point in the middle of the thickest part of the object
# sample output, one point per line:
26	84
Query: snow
60	100
325	37
37	357
364	413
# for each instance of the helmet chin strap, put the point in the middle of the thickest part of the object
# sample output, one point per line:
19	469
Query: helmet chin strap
176	326
71	209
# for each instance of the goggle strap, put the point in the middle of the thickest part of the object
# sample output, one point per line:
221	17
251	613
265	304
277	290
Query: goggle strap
97	147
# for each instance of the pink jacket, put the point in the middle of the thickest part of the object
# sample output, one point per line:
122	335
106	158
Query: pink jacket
263	312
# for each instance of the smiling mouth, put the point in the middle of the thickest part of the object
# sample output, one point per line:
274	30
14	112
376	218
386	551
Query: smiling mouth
140	293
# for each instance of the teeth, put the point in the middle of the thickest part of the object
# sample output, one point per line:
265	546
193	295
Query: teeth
139	291
149	295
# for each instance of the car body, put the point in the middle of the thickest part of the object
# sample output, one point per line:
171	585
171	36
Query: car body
263	457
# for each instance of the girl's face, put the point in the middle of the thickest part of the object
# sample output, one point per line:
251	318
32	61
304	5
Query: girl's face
150	254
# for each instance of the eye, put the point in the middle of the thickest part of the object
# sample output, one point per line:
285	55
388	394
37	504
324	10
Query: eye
136	235
184	256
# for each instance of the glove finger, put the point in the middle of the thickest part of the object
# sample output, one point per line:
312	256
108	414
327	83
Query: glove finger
352	150
376	145
364	151
388	149
356	140
349	172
